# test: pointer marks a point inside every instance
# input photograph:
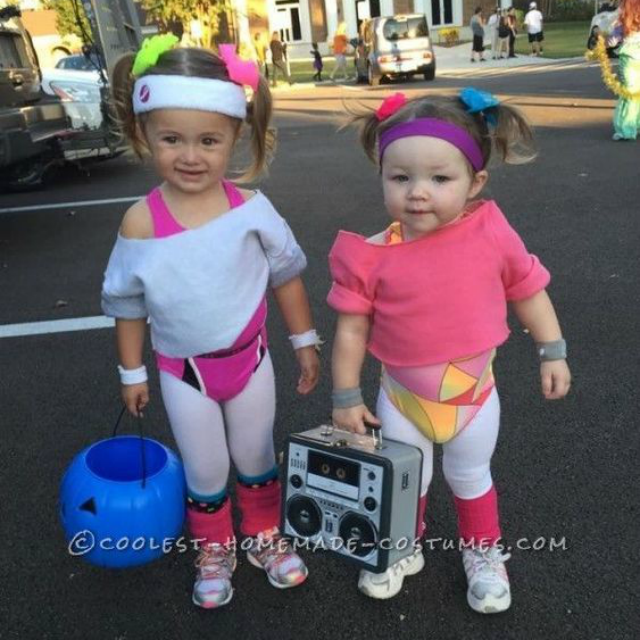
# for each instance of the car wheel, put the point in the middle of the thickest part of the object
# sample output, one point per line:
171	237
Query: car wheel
430	73
372	78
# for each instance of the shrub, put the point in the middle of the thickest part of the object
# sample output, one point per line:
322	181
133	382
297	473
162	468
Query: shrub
569	10
450	36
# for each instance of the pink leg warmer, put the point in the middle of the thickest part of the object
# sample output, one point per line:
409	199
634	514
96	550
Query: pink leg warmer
421	526
211	527
259	506
478	520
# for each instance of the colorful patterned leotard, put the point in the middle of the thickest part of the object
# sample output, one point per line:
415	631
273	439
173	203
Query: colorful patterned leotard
439	399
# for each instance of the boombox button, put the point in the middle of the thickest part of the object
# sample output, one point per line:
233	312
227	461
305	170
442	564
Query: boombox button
296	481
370	504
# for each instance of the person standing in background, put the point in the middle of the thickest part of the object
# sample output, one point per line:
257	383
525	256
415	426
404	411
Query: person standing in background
317	62
504	34
626	117
533	24
492	24
261	53
340	44
477	29
278	58
512	23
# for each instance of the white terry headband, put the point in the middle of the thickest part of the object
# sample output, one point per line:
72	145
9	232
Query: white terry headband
182	92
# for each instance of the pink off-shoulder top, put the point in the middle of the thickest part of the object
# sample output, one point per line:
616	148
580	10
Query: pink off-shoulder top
440	297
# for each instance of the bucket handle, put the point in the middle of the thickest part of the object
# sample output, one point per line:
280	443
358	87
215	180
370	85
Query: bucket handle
142	453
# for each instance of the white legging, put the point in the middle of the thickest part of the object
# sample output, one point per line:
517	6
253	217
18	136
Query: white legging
209	433
466	458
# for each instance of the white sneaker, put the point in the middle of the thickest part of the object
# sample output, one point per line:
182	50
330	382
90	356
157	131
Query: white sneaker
273	553
216	564
388	584
489	590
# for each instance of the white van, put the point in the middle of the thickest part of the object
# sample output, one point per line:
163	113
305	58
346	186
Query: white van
398	46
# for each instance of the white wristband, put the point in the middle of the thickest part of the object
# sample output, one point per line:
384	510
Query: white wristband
133	376
307	339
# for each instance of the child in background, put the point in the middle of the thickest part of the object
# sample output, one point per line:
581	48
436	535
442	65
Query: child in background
196	257
317	62
428	298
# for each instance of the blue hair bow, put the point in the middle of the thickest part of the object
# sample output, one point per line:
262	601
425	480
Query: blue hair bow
477	101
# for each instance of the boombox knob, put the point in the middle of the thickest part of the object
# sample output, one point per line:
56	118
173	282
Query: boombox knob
296	481
370	504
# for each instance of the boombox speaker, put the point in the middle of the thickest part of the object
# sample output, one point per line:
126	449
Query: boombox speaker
352	495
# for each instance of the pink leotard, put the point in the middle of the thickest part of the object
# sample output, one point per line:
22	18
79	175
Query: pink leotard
223	374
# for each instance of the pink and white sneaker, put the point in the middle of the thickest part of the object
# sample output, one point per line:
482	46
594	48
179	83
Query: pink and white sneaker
216	564
489	590
273	553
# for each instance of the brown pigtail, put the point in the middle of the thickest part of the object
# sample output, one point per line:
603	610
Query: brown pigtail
263	137
365	120
513	137
122	91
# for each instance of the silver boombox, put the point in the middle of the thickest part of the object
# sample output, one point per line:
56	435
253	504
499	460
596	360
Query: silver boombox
352	495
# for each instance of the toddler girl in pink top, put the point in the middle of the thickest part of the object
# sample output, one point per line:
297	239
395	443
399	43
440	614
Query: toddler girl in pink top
428	298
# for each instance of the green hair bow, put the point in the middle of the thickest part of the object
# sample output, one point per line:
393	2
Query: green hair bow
152	48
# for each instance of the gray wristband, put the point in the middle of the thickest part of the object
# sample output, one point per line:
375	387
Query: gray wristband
556	350
346	398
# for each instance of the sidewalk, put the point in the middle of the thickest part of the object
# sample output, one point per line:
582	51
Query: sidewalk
453	60
456	62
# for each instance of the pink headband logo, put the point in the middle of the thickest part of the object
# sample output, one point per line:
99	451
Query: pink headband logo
145	93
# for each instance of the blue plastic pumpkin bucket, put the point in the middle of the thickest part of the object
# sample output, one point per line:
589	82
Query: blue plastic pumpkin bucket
122	501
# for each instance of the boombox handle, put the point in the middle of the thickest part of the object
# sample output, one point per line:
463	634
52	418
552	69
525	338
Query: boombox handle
375	429
376	434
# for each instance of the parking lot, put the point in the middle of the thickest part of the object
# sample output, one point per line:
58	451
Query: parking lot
566	472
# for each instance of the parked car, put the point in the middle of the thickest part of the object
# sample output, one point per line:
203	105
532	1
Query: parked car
79	62
398	46
32	123
602	24
80	94
80	81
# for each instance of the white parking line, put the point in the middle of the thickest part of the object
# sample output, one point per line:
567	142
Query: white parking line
69	205
55	326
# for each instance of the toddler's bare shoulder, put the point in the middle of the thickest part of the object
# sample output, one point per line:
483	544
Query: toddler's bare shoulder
137	223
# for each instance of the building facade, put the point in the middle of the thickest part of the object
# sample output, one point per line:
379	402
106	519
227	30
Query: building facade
301	22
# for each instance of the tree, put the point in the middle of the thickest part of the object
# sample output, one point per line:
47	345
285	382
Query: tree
67	14
210	16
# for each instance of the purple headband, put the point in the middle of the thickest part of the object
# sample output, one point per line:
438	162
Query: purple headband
435	128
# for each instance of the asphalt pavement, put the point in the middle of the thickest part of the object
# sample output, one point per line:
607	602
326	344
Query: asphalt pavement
566	472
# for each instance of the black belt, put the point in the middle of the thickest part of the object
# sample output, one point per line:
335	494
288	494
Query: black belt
225	353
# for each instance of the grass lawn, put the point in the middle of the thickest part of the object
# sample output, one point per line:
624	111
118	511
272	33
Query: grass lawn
561	40
303	71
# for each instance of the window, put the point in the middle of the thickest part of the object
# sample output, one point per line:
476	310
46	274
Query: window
289	20
78	63
405	29
13	54
441	12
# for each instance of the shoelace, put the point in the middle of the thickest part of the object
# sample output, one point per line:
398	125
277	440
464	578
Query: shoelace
270	548
215	561
491	559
